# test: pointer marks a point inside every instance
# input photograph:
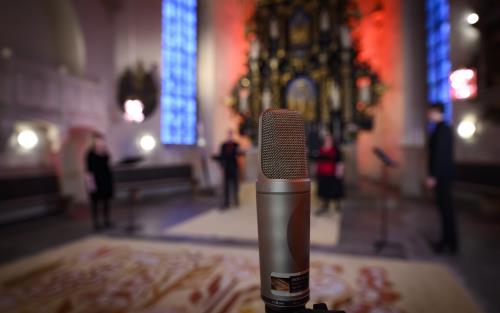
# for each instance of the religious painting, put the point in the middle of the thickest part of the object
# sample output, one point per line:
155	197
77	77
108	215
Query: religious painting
301	95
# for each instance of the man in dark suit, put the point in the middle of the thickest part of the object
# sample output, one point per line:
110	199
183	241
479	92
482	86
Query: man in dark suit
229	152
441	174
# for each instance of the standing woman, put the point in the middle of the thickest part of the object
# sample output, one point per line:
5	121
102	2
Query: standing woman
329	173
99	181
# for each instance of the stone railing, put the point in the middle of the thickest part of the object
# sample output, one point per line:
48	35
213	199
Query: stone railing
37	92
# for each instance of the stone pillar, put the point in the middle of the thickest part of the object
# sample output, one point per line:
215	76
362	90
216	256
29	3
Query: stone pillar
206	89
413	163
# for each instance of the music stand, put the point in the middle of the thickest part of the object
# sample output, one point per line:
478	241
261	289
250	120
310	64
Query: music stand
132	226
387	163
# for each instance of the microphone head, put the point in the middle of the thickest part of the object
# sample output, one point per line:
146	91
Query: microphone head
282	145
283	211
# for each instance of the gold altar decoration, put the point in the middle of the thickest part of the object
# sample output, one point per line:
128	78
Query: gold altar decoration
302	57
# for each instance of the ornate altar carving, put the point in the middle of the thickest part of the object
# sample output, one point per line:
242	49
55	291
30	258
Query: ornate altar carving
302	57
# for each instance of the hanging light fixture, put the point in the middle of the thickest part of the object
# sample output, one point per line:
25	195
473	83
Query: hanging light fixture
134	111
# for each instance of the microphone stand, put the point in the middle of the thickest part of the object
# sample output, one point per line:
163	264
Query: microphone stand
387	163
319	307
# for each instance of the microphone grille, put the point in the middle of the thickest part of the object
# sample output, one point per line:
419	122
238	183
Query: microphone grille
283	145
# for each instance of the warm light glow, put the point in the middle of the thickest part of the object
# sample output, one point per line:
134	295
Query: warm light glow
463	84
466	129
147	143
202	142
27	139
134	111
245	82
363	82
472	18
6	52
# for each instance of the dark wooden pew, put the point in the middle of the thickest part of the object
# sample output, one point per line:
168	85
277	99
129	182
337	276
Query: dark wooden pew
482	177
148	177
134	180
24	196
482	180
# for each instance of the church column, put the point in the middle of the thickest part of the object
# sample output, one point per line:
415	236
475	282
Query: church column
206	89
414	97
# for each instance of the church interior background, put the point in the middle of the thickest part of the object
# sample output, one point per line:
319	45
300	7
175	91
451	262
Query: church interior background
164	81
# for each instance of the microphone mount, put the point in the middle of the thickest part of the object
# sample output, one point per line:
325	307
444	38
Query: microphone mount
317	308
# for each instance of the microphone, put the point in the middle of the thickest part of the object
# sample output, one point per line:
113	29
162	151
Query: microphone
283	211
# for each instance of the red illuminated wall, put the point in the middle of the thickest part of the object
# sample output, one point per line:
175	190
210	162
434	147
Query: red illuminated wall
231	45
379	37
231	49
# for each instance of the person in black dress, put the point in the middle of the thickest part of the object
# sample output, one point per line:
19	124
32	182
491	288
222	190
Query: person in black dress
228	158
99	181
329	172
440	177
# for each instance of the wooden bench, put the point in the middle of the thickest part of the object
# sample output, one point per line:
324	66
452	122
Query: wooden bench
141	178
28	195
134	179
24	196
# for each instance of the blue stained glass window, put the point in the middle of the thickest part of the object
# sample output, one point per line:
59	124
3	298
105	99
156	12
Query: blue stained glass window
443	52
429	23
433	95
429	5
179	67
432	75
438	50
444	11
430	59
445	30
430	40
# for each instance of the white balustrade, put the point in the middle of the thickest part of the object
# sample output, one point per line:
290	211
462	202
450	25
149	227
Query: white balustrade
34	91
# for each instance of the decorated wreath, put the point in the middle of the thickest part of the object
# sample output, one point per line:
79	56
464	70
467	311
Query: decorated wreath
139	84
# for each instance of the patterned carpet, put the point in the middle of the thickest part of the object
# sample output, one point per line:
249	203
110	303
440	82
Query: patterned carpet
116	275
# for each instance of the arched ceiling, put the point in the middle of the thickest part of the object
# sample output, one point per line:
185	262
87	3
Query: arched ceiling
46	32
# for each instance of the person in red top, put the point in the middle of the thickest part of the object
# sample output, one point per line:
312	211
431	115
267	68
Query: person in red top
329	173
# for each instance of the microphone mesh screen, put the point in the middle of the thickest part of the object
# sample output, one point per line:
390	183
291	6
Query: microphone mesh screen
283	145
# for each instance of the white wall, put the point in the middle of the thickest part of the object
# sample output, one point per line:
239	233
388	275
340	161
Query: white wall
107	40
45	32
97	25
42	44
465	46
138	38
44	81
483	147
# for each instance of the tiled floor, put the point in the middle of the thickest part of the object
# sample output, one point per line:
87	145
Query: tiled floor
411	224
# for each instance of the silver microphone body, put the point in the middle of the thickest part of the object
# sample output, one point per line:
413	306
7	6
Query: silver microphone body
283	210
